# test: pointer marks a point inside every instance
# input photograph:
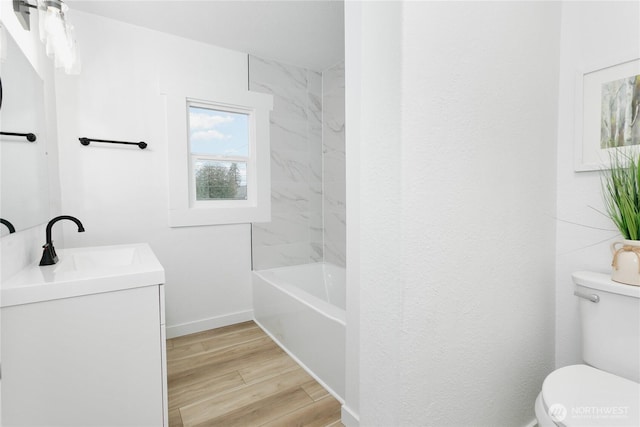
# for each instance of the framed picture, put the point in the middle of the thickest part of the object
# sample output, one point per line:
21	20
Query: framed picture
608	114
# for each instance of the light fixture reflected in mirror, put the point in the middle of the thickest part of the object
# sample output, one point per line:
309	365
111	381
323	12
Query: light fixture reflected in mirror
58	35
55	32
21	8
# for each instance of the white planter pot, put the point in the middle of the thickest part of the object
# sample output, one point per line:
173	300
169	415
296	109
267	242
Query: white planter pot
626	262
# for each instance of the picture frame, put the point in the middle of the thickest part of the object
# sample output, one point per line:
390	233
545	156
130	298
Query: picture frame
605	107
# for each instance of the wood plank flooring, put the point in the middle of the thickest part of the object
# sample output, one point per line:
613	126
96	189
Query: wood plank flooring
237	376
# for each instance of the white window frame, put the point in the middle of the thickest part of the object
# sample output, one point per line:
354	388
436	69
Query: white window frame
184	210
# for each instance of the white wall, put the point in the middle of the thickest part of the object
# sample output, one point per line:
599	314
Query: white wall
594	35
455	165
120	192
353	146
372	112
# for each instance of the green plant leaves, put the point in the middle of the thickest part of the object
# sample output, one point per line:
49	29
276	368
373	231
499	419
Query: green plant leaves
621	187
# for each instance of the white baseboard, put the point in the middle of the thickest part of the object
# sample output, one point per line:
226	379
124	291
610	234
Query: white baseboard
210	323
349	418
532	423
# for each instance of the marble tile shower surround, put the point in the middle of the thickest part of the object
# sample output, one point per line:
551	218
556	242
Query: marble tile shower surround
307	165
294	235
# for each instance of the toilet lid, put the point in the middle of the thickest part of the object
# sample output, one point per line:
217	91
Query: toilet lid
580	395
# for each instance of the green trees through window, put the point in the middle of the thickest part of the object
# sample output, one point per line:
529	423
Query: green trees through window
220	180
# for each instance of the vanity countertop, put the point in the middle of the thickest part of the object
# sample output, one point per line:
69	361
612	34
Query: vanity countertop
84	271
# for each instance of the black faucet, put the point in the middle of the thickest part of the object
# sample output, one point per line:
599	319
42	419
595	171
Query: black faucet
49	256
10	226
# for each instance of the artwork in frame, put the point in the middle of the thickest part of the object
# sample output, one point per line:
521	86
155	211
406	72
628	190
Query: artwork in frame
609	100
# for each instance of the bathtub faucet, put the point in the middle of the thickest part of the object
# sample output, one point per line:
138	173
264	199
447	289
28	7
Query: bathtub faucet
49	256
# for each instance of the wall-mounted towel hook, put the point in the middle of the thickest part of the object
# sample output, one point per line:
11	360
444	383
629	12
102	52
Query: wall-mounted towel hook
30	136
86	141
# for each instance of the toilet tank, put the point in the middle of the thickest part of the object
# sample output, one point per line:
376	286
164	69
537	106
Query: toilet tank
610	316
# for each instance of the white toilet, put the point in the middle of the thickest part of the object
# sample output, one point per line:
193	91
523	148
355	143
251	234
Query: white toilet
605	391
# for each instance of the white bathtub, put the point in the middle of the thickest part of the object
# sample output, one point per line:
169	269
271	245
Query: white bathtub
303	309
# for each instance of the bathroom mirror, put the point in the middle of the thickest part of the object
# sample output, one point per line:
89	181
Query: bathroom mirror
24	187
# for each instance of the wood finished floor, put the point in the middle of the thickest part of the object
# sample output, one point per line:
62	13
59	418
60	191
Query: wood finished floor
237	376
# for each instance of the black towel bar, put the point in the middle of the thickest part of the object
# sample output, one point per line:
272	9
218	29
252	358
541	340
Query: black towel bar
86	141
30	136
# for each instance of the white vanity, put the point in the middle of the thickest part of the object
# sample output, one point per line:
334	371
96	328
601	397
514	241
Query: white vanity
83	341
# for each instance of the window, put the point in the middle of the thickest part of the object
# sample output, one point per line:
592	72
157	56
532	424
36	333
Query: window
219	147
219	157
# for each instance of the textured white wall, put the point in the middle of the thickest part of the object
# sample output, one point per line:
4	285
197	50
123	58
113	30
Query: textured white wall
594	35
353	143
374	215
120	192
456	158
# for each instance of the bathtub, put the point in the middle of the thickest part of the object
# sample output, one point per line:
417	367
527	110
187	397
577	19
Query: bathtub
303	309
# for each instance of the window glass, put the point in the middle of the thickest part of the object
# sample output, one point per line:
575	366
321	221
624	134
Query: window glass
220	180
219	145
219	133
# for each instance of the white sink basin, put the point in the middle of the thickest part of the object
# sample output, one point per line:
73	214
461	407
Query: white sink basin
84	271
98	258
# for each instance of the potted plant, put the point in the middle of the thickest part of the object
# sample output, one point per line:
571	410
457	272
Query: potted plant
621	190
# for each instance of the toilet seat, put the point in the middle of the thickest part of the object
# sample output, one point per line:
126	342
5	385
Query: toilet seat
580	395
